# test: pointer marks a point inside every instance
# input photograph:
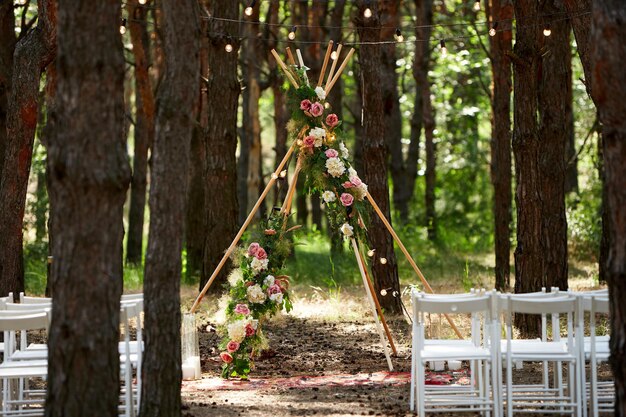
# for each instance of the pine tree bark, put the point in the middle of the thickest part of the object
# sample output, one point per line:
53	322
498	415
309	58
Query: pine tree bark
375	154
431	163
89	176
554	89
221	143
144	130
608	81
529	273
501	11
168	192
195	227
571	158
7	47
32	55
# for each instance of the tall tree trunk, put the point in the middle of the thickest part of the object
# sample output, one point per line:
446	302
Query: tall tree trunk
7	47
605	238
195	227
32	54
48	133
501	11
431	163
526	63
375	158
221	143
421	63
251	122
571	158
608	58
144	130
89	176
168	192
553	91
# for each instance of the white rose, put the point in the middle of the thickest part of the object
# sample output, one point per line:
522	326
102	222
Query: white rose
321	94
335	167
235	277
277	298
352	172
269	280
328	196
317	133
344	151
255	294
237	330
347	230
259	265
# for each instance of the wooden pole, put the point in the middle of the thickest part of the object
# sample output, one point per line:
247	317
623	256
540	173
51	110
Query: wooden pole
408	256
290	57
378	308
286	208
284	68
339	71
334	65
326	58
369	297
302	66
245	225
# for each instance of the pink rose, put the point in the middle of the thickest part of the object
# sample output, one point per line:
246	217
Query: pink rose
242	309
261	254
317	109
346	199
232	346
309	141
348	184
253	249
305	105
331	153
356	181
274	289
332	120
226	357
249	330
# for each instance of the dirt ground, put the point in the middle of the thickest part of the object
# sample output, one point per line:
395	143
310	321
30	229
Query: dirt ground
322	337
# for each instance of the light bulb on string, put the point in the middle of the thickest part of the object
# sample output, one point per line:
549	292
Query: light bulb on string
398	35
249	10
492	31
123	27
547	31
333	55
371	252
444	50
229	45
367	13
383	261
477	5
292	33
142	1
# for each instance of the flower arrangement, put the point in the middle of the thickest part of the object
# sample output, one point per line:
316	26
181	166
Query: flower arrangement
258	285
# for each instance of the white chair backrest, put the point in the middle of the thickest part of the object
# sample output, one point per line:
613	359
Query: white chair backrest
128	297
453	305
24	299
8	299
21	322
27	307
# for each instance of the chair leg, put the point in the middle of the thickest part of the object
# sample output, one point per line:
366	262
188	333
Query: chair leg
509	388
413	371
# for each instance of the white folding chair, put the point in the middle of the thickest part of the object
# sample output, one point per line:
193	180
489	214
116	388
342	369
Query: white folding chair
480	395
131	352
27	351
540	398
600	395
24	299
28	402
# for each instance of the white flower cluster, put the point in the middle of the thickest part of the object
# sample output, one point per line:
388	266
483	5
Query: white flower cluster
344	151
259	265
335	167
321	94
347	230
328	196
237	330
360	191
319	134
277	298
269	280
255	294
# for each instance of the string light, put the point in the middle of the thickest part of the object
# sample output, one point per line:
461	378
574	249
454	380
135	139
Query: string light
292	33
444	50
383	292
367	13
399	36
142	1
333	55
383	261
248	11
229	45
370	252
547	31
283	173
123	27
492	31
477	5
